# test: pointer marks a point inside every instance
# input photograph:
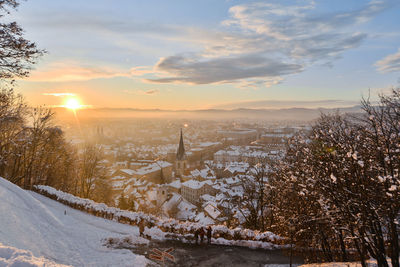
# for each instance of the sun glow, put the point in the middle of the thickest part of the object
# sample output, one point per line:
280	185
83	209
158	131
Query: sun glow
73	104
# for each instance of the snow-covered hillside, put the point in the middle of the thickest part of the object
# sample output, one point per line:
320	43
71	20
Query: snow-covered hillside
14	257
56	232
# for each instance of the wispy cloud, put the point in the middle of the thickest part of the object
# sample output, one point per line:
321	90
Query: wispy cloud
74	71
255	84
390	63
59	94
142	92
63	71
140	71
151	92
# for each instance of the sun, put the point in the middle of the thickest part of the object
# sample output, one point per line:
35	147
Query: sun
73	104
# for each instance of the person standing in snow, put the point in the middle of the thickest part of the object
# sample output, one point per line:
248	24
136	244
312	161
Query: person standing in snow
209	234
202	233
196	235
141	228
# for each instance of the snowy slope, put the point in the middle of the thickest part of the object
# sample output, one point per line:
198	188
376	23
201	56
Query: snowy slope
35	223
14	257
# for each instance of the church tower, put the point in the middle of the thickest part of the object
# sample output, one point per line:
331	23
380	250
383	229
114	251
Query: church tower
180	162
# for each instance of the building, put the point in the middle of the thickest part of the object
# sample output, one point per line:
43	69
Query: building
212	211
162	194
156	172
250	154
223	156
180	161
242	136
192	190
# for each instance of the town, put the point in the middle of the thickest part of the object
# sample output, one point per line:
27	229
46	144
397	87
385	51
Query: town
190	171
200	133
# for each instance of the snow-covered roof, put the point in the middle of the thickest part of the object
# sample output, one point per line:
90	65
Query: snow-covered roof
278	135
212	211
204	219
237	167
205	173
153	167
208	198
186	210
152	195
128	171
174	200
207	144
194	184
118	184
176	184
228	152
232	180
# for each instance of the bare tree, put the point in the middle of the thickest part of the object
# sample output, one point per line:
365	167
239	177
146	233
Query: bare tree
252	203
339	185
91	170
16	53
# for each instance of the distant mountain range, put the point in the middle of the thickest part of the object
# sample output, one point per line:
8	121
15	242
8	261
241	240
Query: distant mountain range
287	114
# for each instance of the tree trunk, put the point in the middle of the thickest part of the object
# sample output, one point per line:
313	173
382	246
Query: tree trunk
343	247
394	243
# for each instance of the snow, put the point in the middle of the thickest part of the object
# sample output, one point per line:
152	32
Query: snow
204	219
244	243
193	184
208	144
176	184
153	167
13	257
370	263
152	195
393	188
212	211
186	210
155	233
204	173
174	200
38	224
128	171
333	178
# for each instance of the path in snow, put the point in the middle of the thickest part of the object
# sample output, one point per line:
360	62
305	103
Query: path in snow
35	223
218	255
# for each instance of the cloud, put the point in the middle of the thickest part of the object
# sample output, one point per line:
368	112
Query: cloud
74	71
143	92
255	84
390	63
221	70
151	92
257	46
83	21
140	71
266	41
63	71
59	94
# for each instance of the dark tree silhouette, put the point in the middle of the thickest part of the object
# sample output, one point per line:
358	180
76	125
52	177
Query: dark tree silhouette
16	53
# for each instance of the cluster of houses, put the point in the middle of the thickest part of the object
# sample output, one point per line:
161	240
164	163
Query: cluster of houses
189	187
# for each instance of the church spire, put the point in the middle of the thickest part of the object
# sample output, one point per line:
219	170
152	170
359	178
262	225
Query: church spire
180	153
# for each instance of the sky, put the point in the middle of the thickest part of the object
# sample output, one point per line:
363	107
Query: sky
183	54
